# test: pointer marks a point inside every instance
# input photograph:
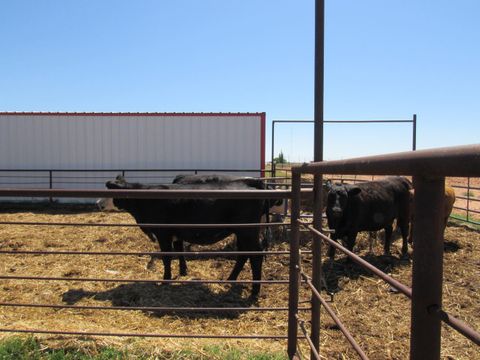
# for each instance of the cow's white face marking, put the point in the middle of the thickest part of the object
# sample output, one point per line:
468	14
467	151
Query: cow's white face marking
106	204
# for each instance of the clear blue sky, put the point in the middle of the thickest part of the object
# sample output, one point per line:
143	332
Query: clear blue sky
384	59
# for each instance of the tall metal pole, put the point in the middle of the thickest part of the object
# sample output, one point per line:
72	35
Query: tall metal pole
319	78
414	136
318	156
272	168
427	269
294	268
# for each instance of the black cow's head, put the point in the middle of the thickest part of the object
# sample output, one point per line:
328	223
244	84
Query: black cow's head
118	184
337	200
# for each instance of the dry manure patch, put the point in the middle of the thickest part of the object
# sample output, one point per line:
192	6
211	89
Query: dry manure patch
377	317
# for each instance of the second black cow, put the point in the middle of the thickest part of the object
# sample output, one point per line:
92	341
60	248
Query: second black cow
201	211
368	206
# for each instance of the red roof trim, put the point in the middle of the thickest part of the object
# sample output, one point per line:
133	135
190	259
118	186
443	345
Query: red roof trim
127	114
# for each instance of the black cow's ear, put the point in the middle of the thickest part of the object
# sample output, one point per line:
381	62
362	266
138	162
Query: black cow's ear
354	190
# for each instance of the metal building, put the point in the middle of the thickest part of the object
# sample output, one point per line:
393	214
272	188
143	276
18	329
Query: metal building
75	150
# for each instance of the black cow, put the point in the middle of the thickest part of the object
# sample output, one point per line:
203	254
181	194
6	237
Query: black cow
201	211
368	206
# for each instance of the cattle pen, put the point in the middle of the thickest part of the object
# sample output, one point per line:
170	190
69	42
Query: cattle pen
428	167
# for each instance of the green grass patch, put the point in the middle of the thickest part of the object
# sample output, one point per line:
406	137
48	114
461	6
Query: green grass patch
469	194
474	223
29	348
20	348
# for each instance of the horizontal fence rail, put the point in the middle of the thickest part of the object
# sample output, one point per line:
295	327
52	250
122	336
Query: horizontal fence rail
58	178
146	335
153	308
151	281
153	226
428	169
460	161
149	253
149	194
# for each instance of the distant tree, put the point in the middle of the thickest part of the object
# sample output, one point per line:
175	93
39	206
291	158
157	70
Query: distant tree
280	159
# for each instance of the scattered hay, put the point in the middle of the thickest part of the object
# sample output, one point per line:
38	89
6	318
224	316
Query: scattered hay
378	318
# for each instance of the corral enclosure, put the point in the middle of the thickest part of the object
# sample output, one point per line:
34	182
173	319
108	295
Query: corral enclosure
65	278
47	143
378	317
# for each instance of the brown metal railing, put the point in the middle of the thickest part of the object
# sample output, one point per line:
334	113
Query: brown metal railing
428	169
155	194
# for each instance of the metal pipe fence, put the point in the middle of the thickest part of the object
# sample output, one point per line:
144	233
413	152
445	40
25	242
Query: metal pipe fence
150	194
470	195
56	178
428	169
412	121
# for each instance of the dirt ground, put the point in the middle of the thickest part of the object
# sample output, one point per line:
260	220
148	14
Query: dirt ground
378	318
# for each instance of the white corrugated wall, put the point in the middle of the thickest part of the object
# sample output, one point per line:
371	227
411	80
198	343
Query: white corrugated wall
124	142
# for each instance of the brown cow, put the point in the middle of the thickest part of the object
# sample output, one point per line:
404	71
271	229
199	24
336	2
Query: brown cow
449	201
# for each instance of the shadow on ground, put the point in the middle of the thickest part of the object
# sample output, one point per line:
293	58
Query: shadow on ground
168	295
345	268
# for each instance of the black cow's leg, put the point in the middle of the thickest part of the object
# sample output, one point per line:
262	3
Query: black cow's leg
256	261
178	247
388	239
351	238
256	265
249	241
166	246
152	237
239	264
331	250
349	243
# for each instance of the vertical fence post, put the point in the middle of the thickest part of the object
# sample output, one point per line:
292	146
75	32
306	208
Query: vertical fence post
316	262
427	267
468	199
294	277
50	182
273	173
414	135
